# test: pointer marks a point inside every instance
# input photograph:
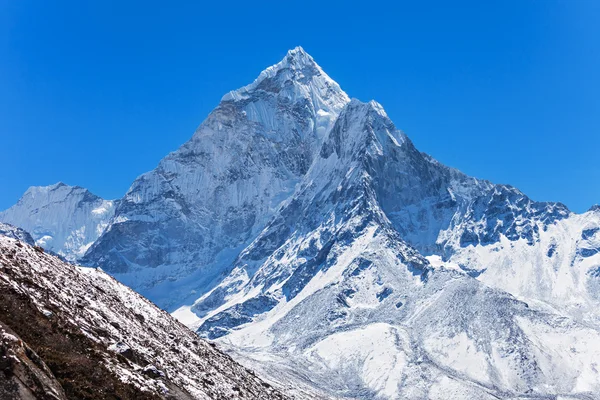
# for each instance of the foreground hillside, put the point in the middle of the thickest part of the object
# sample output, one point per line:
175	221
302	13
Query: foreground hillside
73	333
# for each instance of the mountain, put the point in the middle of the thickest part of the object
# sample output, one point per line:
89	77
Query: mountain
306	235
332	295
68	332
179	224
63	219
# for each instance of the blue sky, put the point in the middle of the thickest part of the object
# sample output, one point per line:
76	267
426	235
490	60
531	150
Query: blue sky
96	94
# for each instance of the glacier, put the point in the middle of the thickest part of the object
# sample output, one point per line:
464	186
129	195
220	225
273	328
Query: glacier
307	235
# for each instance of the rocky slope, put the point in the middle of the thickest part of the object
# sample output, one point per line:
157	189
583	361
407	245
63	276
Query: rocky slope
76	333
24	373
63	219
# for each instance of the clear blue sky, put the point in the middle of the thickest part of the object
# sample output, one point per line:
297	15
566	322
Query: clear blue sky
508	90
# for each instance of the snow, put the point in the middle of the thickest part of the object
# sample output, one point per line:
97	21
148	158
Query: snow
61	218
119	347
447	388
15	233
561	280
568	354
372	350
8	337
460	353
186	316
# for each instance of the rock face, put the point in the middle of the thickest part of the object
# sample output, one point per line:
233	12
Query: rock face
23	373
306	234
76	333
63	219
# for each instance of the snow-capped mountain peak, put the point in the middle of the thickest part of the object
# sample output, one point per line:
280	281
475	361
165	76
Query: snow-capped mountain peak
209	199
296	68
61	218
56	192
16	233
297	84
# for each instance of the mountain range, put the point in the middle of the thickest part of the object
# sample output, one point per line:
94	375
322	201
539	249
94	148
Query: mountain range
307	236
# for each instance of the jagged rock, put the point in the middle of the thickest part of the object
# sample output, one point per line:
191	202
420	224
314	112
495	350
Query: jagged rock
123	349
153	372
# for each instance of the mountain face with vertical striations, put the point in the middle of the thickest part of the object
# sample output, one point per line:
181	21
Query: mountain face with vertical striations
308	236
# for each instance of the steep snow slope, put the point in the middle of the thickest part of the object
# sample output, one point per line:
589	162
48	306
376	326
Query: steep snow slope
182	223
81	320
61	218
330	295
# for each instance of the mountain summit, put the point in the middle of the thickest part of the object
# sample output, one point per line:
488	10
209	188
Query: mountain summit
309	236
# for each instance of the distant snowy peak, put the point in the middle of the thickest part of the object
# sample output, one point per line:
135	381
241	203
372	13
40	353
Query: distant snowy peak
16	233
61	218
